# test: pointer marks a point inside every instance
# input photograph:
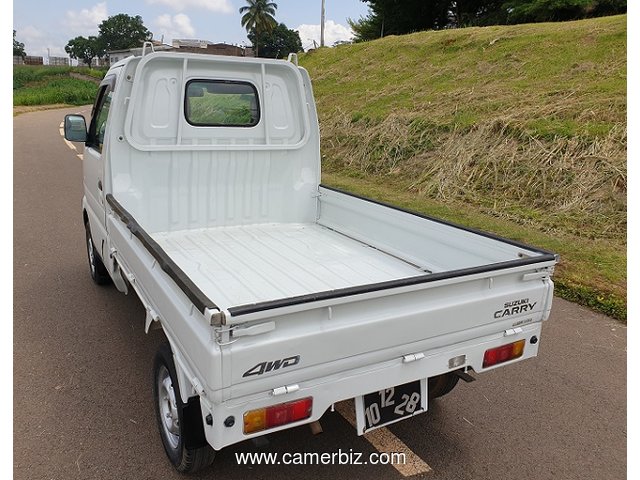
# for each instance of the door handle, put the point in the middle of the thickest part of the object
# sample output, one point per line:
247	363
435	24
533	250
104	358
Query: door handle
100	185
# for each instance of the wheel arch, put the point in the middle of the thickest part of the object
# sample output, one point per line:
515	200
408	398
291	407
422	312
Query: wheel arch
187	382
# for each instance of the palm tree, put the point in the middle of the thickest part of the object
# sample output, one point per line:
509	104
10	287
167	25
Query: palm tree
258	15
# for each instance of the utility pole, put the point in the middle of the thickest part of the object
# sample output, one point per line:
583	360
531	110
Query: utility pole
322	26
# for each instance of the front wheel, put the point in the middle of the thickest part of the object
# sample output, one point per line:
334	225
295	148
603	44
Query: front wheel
182	435
99	273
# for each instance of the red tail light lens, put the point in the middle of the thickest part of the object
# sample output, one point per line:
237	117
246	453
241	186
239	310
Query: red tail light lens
503	353
300	409
277	415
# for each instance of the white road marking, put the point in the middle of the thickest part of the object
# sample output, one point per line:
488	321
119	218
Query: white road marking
385	441
69	144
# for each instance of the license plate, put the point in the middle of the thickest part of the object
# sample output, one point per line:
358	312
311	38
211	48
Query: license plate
377	409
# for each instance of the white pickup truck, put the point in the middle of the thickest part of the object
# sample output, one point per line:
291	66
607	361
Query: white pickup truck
279	296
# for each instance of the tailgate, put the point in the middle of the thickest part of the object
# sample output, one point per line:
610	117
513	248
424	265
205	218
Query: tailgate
300	342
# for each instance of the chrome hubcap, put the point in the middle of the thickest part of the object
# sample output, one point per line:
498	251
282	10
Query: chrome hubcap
168	408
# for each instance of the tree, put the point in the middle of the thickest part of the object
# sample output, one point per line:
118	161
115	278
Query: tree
18	47
520	11
609	7
258	18
397	17
122	31
466	13
85	49
366	28
278	43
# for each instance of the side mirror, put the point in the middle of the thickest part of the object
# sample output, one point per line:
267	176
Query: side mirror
75	128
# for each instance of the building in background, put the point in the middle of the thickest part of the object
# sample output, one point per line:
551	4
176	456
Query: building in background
115	56
95	63
210	48
185	46
33	60
29	60
59	61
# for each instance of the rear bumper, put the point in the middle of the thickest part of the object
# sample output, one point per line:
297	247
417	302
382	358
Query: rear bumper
352	383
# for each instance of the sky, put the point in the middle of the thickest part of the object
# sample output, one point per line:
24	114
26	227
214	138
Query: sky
42	24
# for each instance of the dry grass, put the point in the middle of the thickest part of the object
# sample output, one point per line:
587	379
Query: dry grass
572	183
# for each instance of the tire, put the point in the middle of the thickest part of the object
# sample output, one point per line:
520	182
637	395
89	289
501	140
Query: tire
179	424
99	273
442	384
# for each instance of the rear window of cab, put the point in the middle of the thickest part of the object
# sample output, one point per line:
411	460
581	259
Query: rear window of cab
221	103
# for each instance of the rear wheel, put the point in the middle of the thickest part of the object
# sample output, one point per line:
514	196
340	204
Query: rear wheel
442	384
99	272
180	424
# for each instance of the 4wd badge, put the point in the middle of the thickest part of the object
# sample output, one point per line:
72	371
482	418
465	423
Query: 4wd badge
266	367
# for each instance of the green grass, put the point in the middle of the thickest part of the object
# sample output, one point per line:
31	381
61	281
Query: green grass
66	90
98	73
34	85
221	109
519	130
22	74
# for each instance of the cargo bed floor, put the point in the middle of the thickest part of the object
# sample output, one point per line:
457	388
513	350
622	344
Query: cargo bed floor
254	263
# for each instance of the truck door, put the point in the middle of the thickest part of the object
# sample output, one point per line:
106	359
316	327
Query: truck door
93	162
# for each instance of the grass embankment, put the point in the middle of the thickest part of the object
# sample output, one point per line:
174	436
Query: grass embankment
43	85
519	130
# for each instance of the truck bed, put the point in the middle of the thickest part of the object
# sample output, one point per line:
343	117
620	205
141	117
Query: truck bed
257	263
355	245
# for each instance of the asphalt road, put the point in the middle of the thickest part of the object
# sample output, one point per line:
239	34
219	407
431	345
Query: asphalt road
82	371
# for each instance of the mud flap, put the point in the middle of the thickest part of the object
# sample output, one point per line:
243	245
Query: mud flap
193	423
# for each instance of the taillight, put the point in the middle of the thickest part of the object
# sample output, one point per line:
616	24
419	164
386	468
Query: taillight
277	415
503	353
